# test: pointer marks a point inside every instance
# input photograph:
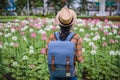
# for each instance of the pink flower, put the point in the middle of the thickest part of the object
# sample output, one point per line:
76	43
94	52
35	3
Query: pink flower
0	43
31	24
44	36
38	26
33	35
15	45
44	21
106	21
54	28
85	20
104	44
89	20
43	51
116	41
23	23
101	29
87	35
105	33
36	20
96	33
32	66
119	32
94	47
112	41
22	33
19	28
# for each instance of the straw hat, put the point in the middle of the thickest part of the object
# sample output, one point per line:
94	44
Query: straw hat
66	17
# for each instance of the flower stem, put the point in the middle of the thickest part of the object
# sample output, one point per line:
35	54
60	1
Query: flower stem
95	61
0	62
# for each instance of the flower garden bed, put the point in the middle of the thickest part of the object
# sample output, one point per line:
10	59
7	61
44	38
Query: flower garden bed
22	49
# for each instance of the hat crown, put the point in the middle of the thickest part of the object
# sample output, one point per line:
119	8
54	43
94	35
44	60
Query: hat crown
65	16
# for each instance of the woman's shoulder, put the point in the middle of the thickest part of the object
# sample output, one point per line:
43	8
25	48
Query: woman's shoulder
78	37
52	36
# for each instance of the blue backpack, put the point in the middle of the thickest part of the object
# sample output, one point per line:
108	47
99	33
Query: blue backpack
61	57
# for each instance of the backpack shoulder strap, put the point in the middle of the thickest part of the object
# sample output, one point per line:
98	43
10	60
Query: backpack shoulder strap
57	36
69	37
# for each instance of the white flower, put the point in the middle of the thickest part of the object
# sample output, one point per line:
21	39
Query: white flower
99	26
41	31
16	24
14	63
92	29
106	27
114	26
31	47
112	52
118	52
105	30
1	46
83	49
81	30
110	22
95	38
94	47
117	36
47	29
91	44
75	28
8	25
11	44
25	57
103	38
6	30
90	25
50	26
1	33
93	52
114	31
91	33
24	38
14	38
87	39
31	51
31	30
17	20
23	29
6	43
57	27
81	24
6	35
96	29
12	30
9	34
110	33
26	27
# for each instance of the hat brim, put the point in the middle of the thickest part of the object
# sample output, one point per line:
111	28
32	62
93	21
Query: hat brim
73	20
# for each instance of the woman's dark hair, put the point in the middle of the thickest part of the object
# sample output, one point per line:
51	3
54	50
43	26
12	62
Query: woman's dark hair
64	32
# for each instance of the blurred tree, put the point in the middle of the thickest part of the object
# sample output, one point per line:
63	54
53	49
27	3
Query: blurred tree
36	3
32	3
58	4
20	5
3	4
83	4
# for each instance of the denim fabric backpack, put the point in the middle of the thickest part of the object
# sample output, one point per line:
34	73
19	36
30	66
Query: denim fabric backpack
61	57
